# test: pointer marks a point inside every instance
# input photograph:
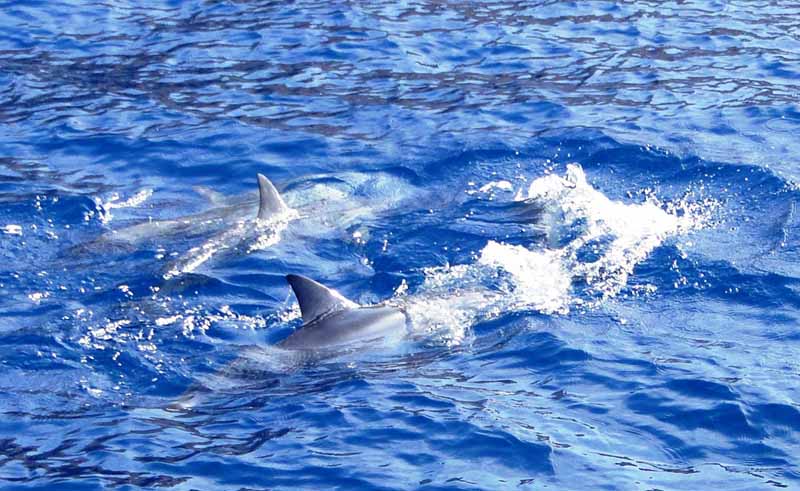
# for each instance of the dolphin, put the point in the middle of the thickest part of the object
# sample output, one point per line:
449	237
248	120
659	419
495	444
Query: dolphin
270	204
233	225
332	325
316	207
330	320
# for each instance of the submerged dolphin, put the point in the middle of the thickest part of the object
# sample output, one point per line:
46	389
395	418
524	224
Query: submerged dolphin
316	207
270	204
331	320
232	226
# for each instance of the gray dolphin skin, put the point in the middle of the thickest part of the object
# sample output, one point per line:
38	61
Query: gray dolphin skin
331	320
269	201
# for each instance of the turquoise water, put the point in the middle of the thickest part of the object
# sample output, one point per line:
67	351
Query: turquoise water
587	210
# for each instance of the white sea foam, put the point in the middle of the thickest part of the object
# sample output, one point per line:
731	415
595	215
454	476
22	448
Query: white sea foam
617	235
504	278
12	229
593	242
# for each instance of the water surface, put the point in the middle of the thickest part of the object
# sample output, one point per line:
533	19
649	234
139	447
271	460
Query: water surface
588	209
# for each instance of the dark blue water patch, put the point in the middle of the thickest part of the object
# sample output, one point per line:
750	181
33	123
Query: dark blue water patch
752	290
594	250
449	247
668	266
12	312
245	286
506	450
780	420
422	402
701	389
720	417
543	351
608	382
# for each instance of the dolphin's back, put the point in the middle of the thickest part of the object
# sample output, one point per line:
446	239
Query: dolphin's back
361	324
329	319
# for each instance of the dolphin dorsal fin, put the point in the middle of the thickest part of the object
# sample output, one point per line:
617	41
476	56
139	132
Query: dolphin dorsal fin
270	202
315	299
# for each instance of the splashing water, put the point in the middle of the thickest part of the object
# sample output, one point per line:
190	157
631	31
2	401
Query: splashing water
592	246
12	229
593	242
612	237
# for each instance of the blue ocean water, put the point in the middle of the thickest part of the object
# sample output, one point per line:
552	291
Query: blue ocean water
587	209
